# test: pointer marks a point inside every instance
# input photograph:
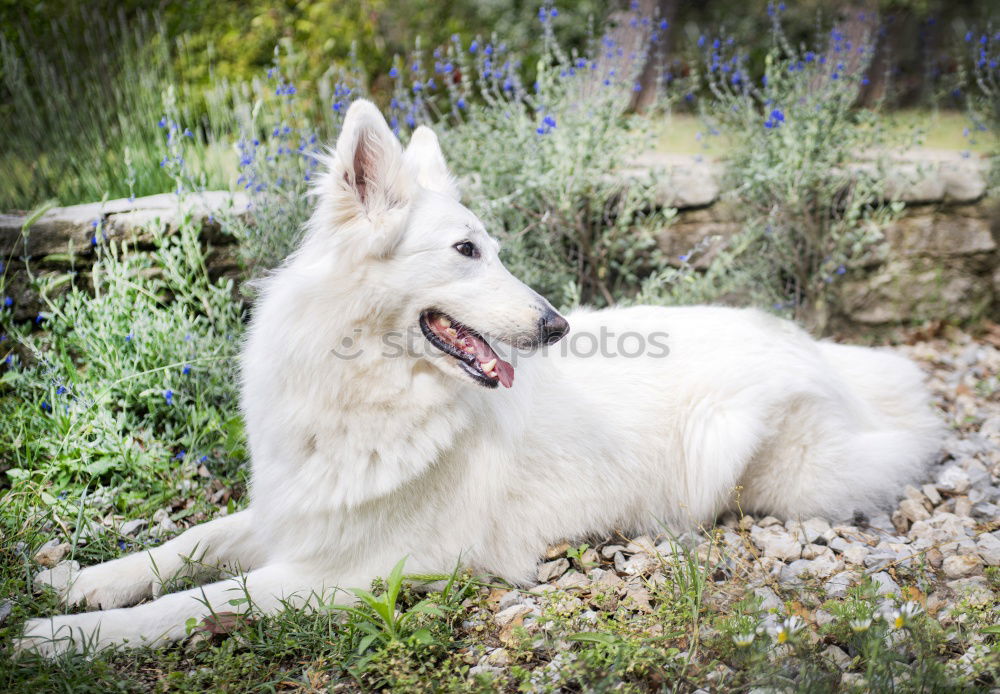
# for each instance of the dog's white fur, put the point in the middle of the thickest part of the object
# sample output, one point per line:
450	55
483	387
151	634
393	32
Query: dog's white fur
357	462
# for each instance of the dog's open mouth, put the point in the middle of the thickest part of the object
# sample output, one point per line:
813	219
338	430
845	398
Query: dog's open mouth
468	347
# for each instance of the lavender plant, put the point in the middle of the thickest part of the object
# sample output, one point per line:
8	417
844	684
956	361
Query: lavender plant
980	76
809	212
126	379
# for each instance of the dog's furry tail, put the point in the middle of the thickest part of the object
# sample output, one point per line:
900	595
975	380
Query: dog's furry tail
904	432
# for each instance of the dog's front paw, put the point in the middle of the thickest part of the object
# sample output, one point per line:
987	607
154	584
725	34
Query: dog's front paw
59	578
106	586
51	637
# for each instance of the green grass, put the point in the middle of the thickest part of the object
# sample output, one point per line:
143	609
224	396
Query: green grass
678	133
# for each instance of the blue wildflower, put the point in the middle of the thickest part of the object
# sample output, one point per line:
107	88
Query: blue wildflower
841	270
168	395
180	455
393	72
46	407
186	370
7	301
553	13
778	115
163	121
664	24
474	46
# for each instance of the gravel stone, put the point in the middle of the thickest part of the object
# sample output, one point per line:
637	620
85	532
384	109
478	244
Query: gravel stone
552	569
931	492
988	547
51	553
913	510
953	479
769	600
962	565
886	586
505	617
775	541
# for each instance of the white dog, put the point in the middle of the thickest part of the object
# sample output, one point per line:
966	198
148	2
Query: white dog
365	450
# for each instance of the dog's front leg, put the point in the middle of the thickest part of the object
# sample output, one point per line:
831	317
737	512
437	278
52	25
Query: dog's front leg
221	543
265	590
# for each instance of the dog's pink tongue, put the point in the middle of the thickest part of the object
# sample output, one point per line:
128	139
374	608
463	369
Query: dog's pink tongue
505	372
484	354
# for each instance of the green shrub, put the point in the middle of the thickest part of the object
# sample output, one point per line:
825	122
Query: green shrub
810	212
128	379
980	81
76	128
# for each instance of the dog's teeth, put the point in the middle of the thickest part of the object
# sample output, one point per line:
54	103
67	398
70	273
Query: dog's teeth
452	332
493	374
488	366
444	322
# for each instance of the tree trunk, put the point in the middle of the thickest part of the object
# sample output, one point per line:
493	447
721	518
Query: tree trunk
651	77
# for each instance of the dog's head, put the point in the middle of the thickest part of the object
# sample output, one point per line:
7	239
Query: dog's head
428	261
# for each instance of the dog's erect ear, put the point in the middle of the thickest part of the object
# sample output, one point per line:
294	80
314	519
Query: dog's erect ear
426	162
369	172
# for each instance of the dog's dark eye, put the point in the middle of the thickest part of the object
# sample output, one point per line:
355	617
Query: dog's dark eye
468	249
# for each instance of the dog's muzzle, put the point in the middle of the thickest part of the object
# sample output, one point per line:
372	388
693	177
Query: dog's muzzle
552	327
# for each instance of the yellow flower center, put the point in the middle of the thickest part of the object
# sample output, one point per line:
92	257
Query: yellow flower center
782	636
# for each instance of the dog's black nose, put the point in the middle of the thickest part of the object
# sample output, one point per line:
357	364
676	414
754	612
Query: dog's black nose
553	327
